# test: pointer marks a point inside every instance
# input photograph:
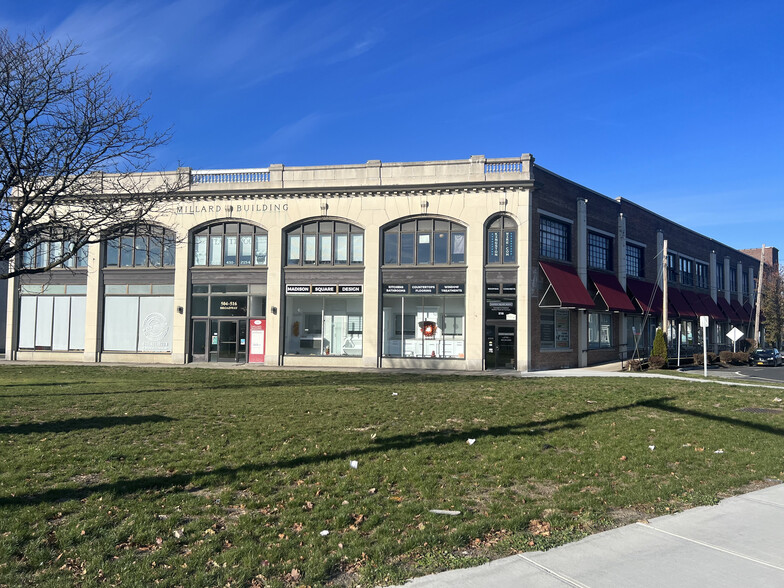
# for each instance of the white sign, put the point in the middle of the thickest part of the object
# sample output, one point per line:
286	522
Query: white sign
735	334
704	321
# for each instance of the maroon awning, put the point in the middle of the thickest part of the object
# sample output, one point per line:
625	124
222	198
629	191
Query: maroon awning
566	289
678	302
727	309
647	295
741	312
609	289
713	309
696	304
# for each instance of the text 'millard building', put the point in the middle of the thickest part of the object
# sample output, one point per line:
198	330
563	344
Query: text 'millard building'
467	264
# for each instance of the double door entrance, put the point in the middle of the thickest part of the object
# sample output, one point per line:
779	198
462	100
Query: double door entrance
500	347
221	340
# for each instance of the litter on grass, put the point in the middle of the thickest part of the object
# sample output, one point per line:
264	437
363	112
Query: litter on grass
324	533
394	393
471	441
451	513
354	463
651	447
719	451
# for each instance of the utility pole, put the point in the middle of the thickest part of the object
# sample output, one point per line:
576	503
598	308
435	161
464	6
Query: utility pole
665	276
760	277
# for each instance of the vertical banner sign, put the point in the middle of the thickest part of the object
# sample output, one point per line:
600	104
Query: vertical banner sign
258	329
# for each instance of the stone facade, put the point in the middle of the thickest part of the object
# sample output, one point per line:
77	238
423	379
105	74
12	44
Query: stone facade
477	307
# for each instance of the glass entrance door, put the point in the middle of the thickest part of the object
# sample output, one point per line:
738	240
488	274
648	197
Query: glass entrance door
227	340
199	340
500	347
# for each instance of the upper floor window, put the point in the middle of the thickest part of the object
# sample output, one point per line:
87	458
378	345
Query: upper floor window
599	251
702	280
143	246
554	239
672	268
687	271
720	275
634	261
230	244
502	240
733	279
325	243
424	242
745	284
48	252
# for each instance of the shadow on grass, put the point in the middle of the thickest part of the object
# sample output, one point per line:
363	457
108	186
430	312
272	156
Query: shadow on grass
68	425
204	388
380	445
661	404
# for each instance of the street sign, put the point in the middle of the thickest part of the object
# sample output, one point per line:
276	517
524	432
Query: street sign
704	321
735	334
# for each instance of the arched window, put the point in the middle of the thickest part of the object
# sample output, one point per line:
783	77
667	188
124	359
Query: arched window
424	241
502	240
143	246
230	244
325	243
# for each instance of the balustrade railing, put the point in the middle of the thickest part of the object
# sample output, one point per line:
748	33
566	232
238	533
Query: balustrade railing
497	167
232	176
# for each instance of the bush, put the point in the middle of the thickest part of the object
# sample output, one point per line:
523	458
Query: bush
658	358
711	358
734	358
635	365
740	358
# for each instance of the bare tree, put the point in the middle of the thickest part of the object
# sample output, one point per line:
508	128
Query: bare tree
72	156
773	304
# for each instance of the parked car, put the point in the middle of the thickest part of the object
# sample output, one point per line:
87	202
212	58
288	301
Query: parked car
766	357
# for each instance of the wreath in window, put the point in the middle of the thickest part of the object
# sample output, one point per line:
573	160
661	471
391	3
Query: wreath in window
428	328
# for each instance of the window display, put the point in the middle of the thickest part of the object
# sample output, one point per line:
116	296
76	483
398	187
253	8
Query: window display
424	326
324	325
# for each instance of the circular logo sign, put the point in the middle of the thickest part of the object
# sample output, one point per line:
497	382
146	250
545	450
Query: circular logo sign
155	327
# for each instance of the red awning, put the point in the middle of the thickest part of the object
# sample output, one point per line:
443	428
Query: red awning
696	304
566	289
741	312
609	289
713	309
647	295
727	309
678	302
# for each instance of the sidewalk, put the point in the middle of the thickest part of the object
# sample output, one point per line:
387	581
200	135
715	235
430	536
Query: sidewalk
739	542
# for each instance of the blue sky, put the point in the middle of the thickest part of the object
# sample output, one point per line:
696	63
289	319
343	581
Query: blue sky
678	106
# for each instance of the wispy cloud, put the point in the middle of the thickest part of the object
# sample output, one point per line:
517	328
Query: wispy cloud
293	133
210	41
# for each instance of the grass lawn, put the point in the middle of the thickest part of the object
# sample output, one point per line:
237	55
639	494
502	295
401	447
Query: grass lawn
196	477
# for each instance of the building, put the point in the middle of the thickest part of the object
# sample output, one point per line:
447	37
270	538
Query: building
467	264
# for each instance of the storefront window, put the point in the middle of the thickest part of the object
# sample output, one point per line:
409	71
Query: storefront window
325	243
46	252
138	318
599	330
50	318
230	244
554	329
424	326
424	242
144	247
324	325
502	240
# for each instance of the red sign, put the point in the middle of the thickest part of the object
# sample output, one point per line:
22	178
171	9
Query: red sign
258	329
